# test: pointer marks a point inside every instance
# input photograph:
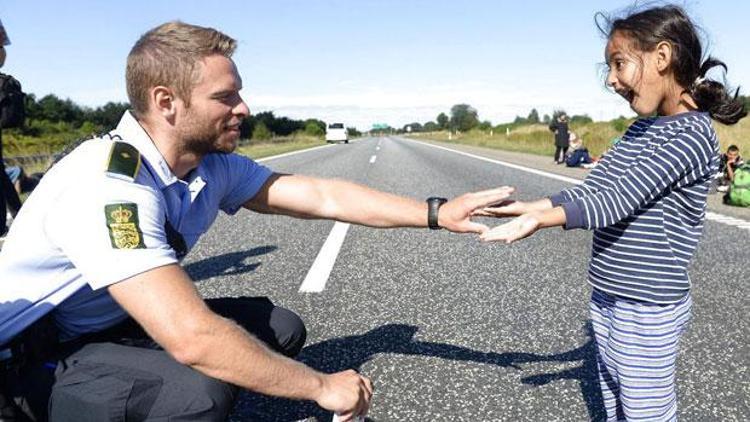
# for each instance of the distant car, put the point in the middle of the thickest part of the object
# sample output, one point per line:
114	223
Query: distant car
336	132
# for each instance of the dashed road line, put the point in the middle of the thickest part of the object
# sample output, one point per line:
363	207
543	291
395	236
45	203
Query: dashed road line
317	276
373	158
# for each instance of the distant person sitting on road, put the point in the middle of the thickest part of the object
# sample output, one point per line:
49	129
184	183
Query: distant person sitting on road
90	275
578	155
560	128
11	115
649	190
728	163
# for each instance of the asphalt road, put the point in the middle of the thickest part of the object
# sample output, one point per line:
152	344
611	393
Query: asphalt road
450	329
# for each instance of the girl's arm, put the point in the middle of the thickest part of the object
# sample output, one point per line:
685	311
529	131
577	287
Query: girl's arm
525	225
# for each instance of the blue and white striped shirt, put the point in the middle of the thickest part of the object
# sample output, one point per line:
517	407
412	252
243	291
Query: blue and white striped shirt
646	201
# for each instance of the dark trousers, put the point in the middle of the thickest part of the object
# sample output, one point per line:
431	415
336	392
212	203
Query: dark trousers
9	200
121	374
560	153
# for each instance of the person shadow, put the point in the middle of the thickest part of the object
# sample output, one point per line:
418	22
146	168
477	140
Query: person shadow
351	352
227	264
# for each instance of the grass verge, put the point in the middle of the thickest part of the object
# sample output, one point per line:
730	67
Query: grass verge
597	137
260	149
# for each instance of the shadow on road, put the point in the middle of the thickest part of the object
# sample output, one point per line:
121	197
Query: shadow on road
228	264
586	374
351	352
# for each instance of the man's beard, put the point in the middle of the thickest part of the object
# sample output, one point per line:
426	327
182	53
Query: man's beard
202	145
202	140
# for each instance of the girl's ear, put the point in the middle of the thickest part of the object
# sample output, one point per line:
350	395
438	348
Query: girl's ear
663	55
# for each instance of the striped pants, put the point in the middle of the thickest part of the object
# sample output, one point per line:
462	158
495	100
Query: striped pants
636	352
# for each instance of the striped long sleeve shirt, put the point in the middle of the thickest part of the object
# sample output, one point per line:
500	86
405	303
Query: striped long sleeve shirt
646	202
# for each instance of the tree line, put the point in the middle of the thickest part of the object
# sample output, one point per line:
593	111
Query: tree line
52	123
464	118
47	113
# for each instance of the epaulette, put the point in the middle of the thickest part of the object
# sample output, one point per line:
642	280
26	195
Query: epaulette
124	161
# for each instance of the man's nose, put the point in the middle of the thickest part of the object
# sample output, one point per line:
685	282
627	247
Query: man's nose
241	109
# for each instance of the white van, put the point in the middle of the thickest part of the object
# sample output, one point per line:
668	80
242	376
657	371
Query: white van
336	132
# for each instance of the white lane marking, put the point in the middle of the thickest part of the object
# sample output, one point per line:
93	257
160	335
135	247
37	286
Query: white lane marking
373	158
720	218
506	164
317	277
711	216
377	148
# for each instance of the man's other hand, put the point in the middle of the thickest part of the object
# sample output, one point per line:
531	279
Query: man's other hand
347	393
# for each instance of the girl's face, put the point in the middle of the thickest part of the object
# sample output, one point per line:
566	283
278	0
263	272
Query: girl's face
636	75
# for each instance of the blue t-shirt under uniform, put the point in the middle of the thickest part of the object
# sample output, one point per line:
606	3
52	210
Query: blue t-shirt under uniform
646	202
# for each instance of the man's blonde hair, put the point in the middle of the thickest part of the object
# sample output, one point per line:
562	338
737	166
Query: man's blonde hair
168	55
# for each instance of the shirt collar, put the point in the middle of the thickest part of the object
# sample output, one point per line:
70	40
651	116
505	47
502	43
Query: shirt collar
131	131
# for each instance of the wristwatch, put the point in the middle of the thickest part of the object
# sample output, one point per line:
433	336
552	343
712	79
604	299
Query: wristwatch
433	204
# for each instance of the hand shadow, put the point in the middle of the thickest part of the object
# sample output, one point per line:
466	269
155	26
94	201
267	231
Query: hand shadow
351	352
228	264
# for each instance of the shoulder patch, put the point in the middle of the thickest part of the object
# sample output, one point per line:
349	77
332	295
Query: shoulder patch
122	222
124	161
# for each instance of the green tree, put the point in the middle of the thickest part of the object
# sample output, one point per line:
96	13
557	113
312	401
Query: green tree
54	109
442	121
581	119
430	127
533	116
464	117
313	129
485	126
352	132
108	115
261	131
413	127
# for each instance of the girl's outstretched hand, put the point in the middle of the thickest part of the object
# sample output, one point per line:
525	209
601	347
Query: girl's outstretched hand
508	208
518	228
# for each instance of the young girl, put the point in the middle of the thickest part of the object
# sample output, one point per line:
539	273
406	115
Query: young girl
646	202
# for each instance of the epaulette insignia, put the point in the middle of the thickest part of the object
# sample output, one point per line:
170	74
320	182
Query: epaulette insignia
124	161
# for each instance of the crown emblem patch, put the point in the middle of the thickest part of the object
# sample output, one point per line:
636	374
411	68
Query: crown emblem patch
122	221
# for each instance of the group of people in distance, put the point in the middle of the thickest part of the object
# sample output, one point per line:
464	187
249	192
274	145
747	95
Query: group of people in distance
98	320
570	150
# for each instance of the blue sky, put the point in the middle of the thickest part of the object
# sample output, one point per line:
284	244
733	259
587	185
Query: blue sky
360	62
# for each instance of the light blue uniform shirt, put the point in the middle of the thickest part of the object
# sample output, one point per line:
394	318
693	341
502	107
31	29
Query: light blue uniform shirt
59	253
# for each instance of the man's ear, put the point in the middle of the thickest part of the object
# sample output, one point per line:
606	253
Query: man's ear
163	101
663	56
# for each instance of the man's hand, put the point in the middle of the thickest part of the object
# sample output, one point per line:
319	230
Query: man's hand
455	215
347	393
508	208
518	228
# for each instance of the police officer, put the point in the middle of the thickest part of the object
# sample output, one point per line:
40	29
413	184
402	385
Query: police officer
96	249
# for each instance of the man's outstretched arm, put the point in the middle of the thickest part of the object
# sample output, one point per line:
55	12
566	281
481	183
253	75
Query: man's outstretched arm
166	304
308	197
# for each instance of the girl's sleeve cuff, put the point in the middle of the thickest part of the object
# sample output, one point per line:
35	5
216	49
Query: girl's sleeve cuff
573	214
557	199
